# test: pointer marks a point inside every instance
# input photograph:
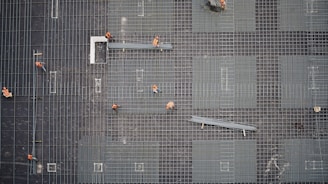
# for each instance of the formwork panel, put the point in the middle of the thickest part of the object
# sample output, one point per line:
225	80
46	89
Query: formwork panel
318	78
244	15
294	84
245	82
224	161
218	81
292	15
91	150
140	16
316	15
306	159
135	162
213	82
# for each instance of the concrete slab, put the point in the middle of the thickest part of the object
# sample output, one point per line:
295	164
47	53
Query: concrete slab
223	161
306	160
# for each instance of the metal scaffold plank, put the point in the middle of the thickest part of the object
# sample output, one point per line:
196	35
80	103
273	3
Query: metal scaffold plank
221	123
163	46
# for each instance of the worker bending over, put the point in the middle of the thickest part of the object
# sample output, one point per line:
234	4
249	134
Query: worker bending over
108	36
6	93
223	4
40	65
115	107
170	105
155	89
156	41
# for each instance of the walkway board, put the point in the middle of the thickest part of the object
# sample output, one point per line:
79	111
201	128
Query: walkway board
163	46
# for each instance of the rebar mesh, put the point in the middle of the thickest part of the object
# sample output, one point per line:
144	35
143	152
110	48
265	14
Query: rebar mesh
259	62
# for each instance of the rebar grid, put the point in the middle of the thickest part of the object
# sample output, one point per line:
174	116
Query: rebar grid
258	62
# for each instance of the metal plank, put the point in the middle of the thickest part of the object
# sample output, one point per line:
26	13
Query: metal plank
221	123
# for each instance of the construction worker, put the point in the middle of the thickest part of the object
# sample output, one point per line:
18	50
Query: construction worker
115	107
223	4
156	41
6	93
108	36
31	157
170	105
40	65
155	89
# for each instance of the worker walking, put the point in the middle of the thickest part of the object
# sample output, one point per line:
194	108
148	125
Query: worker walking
155	89
108	36
115	107
170	105
40	65
6	93
156	41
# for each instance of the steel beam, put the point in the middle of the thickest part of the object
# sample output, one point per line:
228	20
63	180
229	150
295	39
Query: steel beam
162	46
221	123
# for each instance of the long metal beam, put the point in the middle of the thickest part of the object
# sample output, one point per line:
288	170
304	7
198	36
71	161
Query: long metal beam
221	123
162	46
33	164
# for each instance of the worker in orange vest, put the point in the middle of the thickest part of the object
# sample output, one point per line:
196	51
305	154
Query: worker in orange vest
31	157
115	107
108	36
156	41
170	105
155	89
6	93
40	65
223	4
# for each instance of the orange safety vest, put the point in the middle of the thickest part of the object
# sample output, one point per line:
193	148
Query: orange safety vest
6	92
38	64
115	106
108	35
156	41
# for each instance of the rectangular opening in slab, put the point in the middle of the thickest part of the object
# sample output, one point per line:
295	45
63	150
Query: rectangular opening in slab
141	8
97	85
97	43
54	9
139	79
53	81
224	166
139	167
97	167
51	167
100	52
